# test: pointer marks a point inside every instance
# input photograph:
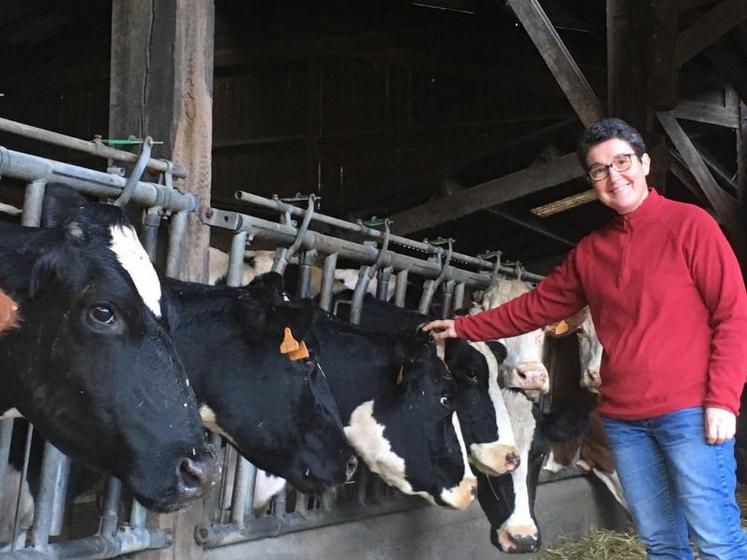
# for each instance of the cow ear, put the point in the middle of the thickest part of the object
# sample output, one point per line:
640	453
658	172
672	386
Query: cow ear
498	349
58	264
59	203
270	286
566	326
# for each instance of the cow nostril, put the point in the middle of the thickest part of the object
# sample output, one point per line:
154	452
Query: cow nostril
512	461
195	475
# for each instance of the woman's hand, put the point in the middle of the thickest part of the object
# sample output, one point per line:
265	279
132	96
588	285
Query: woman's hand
442	329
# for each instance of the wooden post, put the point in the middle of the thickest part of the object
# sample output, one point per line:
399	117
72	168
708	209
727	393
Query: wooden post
162	86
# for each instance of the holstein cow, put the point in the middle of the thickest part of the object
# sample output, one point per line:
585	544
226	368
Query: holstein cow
478	401
396	399
279	413
508	500
90	363
523	367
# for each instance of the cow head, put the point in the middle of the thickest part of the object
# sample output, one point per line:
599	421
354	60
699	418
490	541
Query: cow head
482	414
279	412
90	363
411	437
523	368
508	500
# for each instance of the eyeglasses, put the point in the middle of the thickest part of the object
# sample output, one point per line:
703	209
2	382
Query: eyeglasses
620	163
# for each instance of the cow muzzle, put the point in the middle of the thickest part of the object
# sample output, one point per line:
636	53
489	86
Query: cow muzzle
461	496
494	459
530	376
196	476
519	539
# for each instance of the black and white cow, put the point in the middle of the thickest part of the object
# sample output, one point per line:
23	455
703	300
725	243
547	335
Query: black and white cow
508	501
90	363
279	413
478	401
396	399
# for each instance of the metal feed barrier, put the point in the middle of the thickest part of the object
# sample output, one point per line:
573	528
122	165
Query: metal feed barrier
229	517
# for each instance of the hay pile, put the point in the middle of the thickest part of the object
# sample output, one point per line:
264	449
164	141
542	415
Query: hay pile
604	544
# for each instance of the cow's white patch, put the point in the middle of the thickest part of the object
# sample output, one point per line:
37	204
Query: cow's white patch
135	261
210	421
266	486
366	436
11	413
462	494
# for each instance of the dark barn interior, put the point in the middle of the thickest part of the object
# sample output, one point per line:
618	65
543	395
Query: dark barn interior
442	114
455	119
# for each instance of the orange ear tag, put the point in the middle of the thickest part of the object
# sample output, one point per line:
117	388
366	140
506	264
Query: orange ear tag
289	343
300	354
561	327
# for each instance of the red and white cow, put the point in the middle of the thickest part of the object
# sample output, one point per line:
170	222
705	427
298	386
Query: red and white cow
523	368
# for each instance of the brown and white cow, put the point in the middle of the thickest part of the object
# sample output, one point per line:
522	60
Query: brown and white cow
589	451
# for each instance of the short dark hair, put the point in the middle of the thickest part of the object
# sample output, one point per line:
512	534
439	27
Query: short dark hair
605	129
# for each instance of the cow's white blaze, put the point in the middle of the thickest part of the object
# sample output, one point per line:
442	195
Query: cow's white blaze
210	421
135	261
520	522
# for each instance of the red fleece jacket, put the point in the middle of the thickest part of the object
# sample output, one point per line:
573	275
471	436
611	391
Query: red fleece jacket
668	302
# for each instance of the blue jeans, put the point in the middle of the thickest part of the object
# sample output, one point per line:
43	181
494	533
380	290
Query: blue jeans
673	480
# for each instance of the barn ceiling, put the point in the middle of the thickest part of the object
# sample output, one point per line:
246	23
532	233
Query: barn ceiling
413	109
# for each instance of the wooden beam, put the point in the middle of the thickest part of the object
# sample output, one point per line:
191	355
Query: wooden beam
684	5
532	224
720	19
571	80
450	187
730	65
682	173
724	205
663	73
423	181
705	113
515	185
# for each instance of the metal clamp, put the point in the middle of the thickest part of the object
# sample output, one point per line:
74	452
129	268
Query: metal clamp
137	171
282	256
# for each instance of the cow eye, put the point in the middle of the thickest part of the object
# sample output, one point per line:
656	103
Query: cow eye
102	314
471	375
445	402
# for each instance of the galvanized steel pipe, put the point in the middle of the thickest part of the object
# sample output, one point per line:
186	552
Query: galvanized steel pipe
90	147
104	185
